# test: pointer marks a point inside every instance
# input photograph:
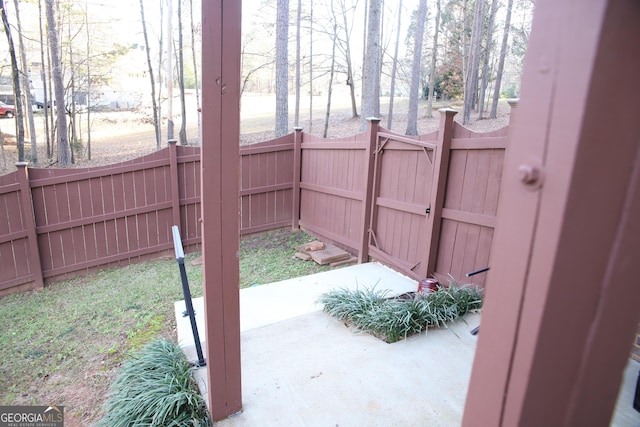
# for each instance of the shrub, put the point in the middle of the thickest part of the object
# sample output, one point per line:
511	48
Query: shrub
392	319
156	388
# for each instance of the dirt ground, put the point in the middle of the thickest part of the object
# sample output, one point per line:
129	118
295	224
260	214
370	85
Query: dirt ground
118	136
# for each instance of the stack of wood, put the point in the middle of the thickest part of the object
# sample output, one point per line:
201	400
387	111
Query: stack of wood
324	253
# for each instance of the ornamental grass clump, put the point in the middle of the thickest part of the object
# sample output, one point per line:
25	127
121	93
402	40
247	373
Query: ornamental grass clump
156	388
392	319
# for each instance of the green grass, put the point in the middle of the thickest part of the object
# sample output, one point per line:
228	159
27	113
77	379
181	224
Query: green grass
64	344
156	387
264	258
392	319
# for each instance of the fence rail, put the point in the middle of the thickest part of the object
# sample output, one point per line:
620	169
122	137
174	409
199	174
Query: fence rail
424	205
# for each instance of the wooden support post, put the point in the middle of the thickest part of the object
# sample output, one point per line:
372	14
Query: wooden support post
175	193
297	162
365	220
35	265
220	168
440	173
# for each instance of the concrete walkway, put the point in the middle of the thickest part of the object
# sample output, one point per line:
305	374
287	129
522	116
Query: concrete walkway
300	367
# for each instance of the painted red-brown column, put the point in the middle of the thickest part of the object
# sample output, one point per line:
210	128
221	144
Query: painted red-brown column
35	265
367	200
441	162
297	161
175	193
561	307
220	224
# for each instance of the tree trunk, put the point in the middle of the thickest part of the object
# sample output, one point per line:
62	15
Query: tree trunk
160	52
170	125
86	16
484	79
15	73
350	80
74	141
471	84
371	73
394	67
434	57
43	76
503	54
414	91
310	66
64	154
282	68
183	103
25	88
298	19
195	72
331	70
156	125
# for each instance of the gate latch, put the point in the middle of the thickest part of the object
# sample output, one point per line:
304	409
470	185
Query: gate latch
427	211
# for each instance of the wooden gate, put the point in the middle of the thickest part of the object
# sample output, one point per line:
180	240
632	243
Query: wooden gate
401	224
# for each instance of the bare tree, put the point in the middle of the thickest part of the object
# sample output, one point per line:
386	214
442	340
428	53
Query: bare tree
156	124
26	92
46	97
347	53
296	120
195	71
310	66
183	105
488	47
170	125
503	54
434	57
471	83
282	68
331	72
64	152
414	91
160	52
88	34
16	83
394	67
371	75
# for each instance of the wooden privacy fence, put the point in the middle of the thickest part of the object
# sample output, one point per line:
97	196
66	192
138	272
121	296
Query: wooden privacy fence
423	205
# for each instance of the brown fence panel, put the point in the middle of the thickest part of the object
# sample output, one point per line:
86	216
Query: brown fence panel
102	216
471	201
17	265
266	185
189	192
332	187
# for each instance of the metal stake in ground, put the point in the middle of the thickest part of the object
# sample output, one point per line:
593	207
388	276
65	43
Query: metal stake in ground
177	245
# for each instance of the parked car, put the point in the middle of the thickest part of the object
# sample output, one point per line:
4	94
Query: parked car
6	110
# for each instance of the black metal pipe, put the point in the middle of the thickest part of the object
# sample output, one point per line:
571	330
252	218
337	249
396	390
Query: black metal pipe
482	270
192	315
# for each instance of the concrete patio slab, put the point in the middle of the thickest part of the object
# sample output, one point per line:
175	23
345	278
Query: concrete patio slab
300	367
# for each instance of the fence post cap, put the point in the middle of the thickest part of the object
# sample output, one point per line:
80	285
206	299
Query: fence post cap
172	141
297	128
447	110
513	102
21	164
372	119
